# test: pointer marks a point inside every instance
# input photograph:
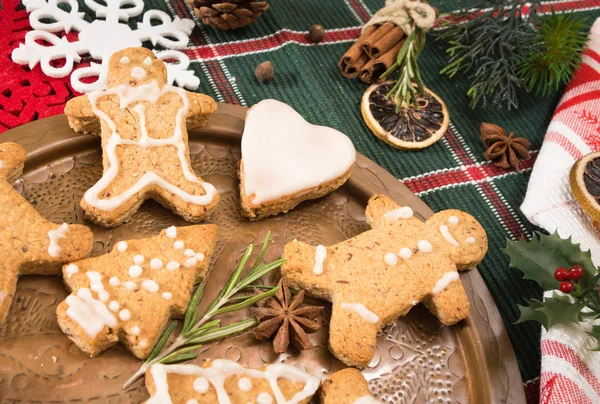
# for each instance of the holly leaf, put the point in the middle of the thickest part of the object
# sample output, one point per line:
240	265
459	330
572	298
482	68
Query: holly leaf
595	333
557	309
540	257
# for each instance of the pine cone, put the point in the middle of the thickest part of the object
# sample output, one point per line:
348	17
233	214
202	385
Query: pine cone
228	14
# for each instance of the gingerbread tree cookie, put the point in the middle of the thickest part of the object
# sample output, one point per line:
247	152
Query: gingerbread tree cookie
30	245
130	294
143	125
379	275
226	382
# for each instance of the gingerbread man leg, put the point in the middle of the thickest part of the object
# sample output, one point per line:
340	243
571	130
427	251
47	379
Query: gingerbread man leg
353	333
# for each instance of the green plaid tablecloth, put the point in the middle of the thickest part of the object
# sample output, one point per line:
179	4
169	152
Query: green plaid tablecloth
450	174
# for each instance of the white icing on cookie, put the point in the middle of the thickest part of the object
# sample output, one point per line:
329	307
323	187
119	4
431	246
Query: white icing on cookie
122	246
404	212
71	270
144	343
150	285
320	255
124	60
138	73
470	240
221	369
446	234
151	93
54	249
135	330
189	252
125	315
90	314
97	286
114	281
362	311
192	401
156	263
391	259
138	259
135	271
190	262
444	281
171	232
414	302
173	265
114	306
453	220
367	400
284	155
148	61
264	398
425	246
200	385
130	285
405	253
167	295
245	384
199	256
178	245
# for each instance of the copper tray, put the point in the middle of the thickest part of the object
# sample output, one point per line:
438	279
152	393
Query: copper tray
418	360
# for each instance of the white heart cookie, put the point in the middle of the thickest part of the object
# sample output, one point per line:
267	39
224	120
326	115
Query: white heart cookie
284	155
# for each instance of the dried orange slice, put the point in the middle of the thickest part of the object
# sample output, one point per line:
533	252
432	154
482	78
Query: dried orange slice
409	128
585	185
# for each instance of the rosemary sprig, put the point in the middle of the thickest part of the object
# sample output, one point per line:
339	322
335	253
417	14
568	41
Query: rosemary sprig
197	330
409	84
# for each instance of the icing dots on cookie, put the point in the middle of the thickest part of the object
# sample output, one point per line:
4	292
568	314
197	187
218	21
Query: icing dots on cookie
405	253
200	385
122	246
264	398
114	306
425	246
124	60
114	281
445	280
135	330
171	232
135	271
390	259
320	255
453	220
190	262
362	311
199	256
167	295
470	240
173	265
404	212
150	285
130	286
148	61
245	384
138	73
125	315
138	259
71	270
178	245
90	314
189	252
156	263
446	234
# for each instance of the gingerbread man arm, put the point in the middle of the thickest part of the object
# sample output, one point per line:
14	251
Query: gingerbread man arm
299	270
81	116
201	108
377	207
12	159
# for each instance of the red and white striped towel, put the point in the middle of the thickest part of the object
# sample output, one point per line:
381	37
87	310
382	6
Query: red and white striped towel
570	371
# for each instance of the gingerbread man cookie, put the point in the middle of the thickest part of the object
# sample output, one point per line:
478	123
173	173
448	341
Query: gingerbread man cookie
379	275
226	382
142	122
30	245
130	294
346	386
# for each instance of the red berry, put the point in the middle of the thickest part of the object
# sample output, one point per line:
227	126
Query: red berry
576	272
566	287
561	274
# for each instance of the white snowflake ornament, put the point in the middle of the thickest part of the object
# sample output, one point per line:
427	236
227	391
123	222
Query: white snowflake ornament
102	38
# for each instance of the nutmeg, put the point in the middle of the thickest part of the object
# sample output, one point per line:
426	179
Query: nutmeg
264	72
316	33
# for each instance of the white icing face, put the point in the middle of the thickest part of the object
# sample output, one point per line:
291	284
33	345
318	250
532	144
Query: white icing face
71	270
284	155
446	234
54	248
122	246
178	245
362	311
156	263
453	220
135	271
425	246
404	212
391	259
173	265
320	255
405	253
138	73
138	259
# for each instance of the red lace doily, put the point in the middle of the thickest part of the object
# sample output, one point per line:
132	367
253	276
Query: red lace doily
25	94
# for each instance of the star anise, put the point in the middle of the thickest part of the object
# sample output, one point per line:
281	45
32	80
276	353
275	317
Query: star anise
505	151
287	319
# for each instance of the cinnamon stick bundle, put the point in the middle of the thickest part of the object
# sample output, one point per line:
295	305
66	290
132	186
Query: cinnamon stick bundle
373	53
